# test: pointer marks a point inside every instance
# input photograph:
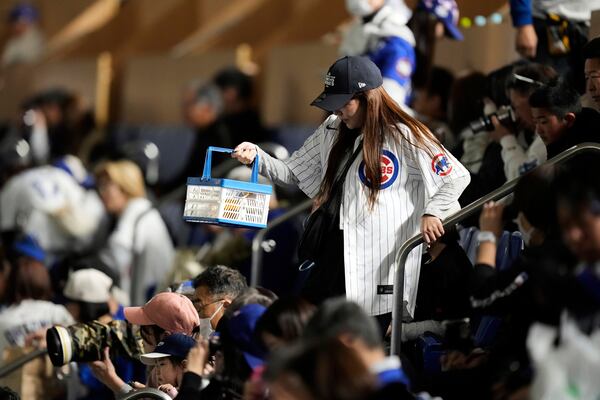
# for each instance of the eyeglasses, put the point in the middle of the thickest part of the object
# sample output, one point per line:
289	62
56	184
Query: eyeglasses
201	306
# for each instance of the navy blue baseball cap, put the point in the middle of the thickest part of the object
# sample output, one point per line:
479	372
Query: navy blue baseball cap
175	345
241	329
346	77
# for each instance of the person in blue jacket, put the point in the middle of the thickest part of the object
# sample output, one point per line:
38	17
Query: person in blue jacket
380	33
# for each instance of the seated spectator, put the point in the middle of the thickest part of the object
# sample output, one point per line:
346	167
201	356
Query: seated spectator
347	321
169	361
139	248
560	121
565	356
27	297
239	353
215	289
165	314
50	204
526	291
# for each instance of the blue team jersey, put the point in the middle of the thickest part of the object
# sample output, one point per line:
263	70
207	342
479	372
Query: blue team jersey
396	59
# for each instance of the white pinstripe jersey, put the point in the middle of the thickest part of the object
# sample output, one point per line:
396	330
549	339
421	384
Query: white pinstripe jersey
413	183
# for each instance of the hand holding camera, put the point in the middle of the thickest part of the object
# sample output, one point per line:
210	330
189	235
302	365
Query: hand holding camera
496	123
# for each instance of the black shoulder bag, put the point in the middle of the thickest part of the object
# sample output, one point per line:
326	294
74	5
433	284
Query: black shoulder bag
324	220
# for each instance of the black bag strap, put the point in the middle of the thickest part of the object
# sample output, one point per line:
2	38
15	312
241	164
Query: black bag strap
333	202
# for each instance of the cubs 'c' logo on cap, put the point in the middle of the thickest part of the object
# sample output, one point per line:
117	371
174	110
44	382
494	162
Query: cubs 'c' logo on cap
389	170
441	165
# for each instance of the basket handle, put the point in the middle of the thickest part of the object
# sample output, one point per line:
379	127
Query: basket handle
208	163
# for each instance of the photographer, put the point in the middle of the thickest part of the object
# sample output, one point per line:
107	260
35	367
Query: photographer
522	149
165	314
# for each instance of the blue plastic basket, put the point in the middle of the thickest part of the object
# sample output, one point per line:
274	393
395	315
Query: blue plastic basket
226	201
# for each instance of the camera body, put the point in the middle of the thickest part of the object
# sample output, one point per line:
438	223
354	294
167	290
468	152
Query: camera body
504	114
86	342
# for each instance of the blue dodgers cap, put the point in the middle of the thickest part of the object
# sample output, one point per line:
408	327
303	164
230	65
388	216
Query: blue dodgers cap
28	246
446	11
175	345
241	329
346	77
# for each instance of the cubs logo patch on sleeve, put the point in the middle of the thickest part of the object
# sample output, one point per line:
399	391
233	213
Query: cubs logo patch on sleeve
440	165
389	170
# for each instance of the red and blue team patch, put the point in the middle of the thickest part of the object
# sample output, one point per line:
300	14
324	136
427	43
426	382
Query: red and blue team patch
440	165
389	170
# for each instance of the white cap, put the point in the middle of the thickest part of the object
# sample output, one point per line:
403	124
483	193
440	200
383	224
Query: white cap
89	285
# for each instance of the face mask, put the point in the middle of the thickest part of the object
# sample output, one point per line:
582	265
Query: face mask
359	8
525	234
206	328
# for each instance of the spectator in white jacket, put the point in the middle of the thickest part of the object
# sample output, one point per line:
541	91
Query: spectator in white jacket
139	248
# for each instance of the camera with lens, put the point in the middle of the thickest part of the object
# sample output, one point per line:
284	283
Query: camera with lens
504	114
86	342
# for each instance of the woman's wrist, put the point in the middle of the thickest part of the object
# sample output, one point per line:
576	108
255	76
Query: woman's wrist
486	236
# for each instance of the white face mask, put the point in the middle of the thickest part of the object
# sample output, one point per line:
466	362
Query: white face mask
359	8
206	328
525	234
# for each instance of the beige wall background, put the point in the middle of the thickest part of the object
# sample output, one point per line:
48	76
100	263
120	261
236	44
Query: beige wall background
156	47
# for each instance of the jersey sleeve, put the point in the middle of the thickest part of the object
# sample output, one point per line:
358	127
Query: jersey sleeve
304	168
444	177
520	12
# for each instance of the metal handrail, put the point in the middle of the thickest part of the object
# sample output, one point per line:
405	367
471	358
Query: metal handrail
145	393
410	244
19	362
257	242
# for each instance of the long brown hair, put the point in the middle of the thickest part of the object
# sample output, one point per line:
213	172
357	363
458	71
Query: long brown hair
381	118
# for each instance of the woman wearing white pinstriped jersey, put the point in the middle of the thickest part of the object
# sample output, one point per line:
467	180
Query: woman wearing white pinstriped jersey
404	181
